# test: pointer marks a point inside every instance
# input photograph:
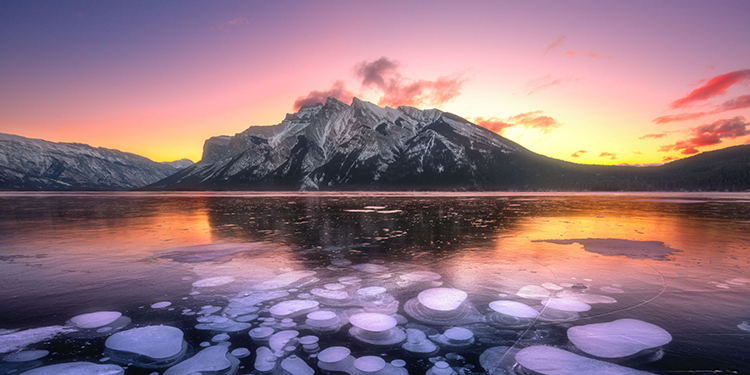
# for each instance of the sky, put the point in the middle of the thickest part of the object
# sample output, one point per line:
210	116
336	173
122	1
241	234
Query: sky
595	82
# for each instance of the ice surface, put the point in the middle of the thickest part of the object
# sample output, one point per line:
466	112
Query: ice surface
497	360
619	338
513	308
265	361
296	366
25	356
533	292
371	292
333	354
373	322
549	360
77	368
213	281
745	326
417	343
418	276
566	305
551	286
369	363
585	297
95	319
258	297
442	299
20	339
370	268
330	294
284	280
161	305
213	359
334	286
156	342
279	339
293	308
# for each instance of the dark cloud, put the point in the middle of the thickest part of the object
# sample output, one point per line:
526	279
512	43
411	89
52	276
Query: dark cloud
383	75
578	153
337	91
710	134
715	86
608	155
556	44
659	135
538	84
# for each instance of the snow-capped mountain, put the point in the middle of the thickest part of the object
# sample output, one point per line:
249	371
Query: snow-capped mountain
35	164
359	146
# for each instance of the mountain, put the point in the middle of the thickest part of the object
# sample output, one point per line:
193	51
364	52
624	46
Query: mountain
35	164
334	146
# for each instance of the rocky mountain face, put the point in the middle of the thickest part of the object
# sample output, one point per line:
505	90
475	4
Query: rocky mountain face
359	146
334	146
34	164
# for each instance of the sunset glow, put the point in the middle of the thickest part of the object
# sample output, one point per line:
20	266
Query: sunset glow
588	82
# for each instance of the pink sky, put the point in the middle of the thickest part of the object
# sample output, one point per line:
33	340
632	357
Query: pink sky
589	82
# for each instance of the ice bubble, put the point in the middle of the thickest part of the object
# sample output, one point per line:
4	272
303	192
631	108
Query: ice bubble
296	366
586	297
611	289
551	286
370	268
265	360
359	211
419	276
334	286
260	335
442	299
374	207
77	368
513	308
161	305
619	338
337	295
533	292
16	340
497	360
549	360
241	352
95	319
441	368
284	280
309	343
224	325
211	360
322	319
280	339
220	337
25	356
456	336
293	308
745	326
417	343
333	354
213	281
204	344
373	322
161	345
389	211
371	292
258	297
246	318
369	363
350	280
566	305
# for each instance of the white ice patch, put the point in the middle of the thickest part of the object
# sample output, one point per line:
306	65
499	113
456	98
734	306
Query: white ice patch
370	268
20	339
586	297
296	366
513	308
210	360
283	280
25	356
213	281
566	305
420	276
161	305
293	308
95	319
77	368
533	292
442	299
373	322
620	338
551	286
151	341
548	360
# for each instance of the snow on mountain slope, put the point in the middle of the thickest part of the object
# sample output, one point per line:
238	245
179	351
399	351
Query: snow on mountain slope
35	164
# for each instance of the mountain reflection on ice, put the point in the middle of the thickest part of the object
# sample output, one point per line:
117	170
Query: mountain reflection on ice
374	284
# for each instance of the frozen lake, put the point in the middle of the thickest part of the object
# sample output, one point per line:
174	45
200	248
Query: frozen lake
235	283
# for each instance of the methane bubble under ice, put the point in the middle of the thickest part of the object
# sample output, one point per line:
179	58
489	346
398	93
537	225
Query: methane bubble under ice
533	292
150	346
213	281
95	319
548	360
77	368
619	338
515	309
442	299
212	360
